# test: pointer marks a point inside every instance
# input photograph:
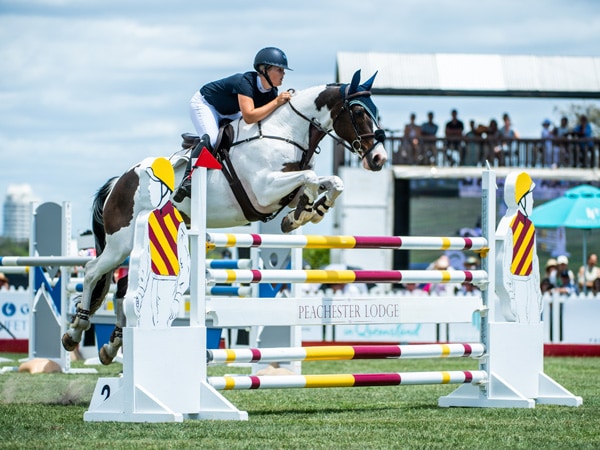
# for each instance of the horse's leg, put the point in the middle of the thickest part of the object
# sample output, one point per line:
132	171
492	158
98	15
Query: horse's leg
306	210
270	189
109	351
332	186
98	274
95	284
302	212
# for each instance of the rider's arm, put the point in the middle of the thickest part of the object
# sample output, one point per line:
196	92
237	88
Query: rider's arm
252	114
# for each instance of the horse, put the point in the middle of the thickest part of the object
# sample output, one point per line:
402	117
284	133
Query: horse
269	167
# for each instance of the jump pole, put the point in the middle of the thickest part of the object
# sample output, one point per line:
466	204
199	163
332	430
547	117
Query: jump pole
345	242
346	276
345	352
347	380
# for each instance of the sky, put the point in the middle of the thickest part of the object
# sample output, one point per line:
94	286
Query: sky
90	87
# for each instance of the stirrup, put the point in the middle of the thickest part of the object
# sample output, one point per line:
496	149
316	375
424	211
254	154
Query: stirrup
184	190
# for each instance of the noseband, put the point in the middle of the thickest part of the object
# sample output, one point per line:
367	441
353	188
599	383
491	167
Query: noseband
355	147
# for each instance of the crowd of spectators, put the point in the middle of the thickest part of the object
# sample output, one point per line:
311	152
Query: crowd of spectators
559	278
557	146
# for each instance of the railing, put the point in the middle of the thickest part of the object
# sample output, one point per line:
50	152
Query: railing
441	152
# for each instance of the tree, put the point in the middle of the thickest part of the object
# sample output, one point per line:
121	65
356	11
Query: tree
9	247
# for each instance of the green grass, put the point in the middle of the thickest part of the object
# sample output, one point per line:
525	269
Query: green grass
46	411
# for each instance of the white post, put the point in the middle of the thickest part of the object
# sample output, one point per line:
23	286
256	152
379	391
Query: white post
514	356
212	404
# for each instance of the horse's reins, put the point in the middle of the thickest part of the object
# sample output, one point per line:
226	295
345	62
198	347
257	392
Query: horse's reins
355	148
250	211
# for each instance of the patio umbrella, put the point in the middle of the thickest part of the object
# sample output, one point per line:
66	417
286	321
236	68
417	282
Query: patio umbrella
579	207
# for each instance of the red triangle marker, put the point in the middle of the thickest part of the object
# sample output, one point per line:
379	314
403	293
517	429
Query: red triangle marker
207	160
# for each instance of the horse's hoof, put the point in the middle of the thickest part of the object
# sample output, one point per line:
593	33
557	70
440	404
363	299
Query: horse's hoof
68	343
287	225
104	357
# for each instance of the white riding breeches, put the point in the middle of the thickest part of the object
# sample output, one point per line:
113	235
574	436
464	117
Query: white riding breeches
206	118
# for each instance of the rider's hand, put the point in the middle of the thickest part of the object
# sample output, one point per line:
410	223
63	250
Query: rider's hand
284	97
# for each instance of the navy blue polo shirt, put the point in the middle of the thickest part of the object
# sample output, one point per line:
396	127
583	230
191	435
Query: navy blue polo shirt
222	94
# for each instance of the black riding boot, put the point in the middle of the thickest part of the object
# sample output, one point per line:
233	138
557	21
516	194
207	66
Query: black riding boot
185	188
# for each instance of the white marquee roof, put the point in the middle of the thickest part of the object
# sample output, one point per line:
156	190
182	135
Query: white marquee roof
475	75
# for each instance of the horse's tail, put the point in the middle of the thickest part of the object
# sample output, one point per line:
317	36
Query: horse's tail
98	214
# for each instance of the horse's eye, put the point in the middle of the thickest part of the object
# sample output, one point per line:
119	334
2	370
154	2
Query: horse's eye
359	113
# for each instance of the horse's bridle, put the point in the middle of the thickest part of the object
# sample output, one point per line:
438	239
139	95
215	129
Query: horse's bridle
356	146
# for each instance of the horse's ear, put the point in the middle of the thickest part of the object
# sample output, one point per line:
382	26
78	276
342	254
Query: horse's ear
355	82
369	83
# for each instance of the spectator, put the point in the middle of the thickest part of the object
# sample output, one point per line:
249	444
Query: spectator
472	263
429	131
551	268
561	134
429	128
565	285
565	280
412	289
454	133
508	135
412	137
492	147
550	150
583	131
588	273
472	154
546	286
563	130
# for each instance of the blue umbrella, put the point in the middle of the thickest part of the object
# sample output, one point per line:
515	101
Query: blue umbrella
579	207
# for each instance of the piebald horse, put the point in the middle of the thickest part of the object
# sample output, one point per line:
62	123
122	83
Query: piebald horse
270	160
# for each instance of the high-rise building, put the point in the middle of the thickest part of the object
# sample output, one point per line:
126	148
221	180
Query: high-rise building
17	212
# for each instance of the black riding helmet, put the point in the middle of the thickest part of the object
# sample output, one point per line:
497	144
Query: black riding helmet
270	56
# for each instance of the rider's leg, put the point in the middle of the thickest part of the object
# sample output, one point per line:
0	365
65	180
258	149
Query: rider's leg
206	122
205	117
185	188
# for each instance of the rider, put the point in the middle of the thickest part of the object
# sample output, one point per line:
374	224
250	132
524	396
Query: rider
252	95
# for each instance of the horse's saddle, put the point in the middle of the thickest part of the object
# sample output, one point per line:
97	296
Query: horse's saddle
223	143
225	140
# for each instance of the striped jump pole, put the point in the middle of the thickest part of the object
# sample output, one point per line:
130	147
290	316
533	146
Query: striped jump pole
230	291
346	276
346	380
229	263
344	352
348	242
53	261
45	261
